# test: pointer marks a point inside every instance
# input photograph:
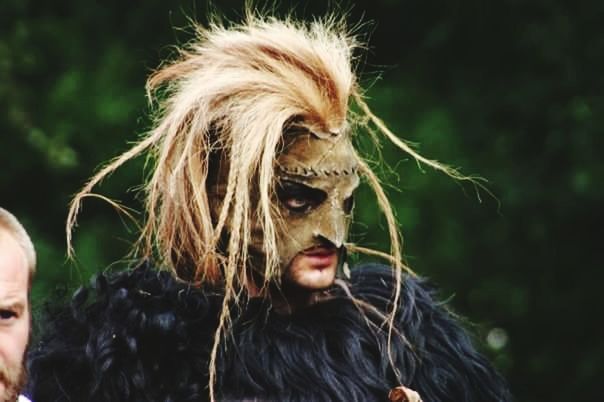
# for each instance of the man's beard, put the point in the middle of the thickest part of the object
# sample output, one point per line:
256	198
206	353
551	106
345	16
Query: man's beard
13	379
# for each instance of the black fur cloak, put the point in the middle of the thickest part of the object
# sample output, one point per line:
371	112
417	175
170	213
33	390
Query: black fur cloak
142	336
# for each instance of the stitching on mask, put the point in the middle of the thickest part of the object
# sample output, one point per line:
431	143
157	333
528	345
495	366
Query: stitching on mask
309	171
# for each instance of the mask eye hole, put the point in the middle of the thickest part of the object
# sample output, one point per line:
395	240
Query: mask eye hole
298	197
348	204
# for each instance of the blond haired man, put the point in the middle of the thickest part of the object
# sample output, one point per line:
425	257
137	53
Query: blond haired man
17	266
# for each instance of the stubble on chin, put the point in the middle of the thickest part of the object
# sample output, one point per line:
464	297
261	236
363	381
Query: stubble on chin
13	380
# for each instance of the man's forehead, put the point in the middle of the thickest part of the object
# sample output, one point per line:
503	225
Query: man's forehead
13	301
14	272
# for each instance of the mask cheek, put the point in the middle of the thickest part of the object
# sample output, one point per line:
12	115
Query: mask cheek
294	235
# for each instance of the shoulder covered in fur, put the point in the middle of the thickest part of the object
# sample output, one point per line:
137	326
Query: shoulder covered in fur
443	364
126	338
142	336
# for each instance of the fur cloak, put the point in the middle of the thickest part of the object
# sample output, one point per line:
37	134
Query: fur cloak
142	336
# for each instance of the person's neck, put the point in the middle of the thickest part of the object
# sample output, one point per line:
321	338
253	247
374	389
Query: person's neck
288	299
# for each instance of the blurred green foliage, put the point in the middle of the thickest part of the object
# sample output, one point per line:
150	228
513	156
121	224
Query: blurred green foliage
510	90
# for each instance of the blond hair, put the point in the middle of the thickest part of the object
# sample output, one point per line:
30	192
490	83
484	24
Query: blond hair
11	224
233	91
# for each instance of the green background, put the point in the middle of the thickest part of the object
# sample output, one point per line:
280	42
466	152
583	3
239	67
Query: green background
510	90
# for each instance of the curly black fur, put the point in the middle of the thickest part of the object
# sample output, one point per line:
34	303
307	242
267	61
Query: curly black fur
143	336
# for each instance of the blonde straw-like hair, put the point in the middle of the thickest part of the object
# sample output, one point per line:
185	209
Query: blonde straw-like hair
233	91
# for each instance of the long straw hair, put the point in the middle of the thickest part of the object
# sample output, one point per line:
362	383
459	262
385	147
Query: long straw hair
232	92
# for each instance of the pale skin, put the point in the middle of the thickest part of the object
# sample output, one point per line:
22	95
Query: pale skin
14	308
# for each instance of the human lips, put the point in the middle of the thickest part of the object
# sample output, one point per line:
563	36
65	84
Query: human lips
321	257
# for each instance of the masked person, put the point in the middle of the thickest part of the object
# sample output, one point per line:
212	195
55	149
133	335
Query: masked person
17	267
244	293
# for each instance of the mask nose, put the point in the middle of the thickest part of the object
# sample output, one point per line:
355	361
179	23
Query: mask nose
333	227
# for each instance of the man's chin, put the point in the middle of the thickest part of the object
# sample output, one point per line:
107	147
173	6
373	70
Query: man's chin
313	270
9	393
10	389
313	280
